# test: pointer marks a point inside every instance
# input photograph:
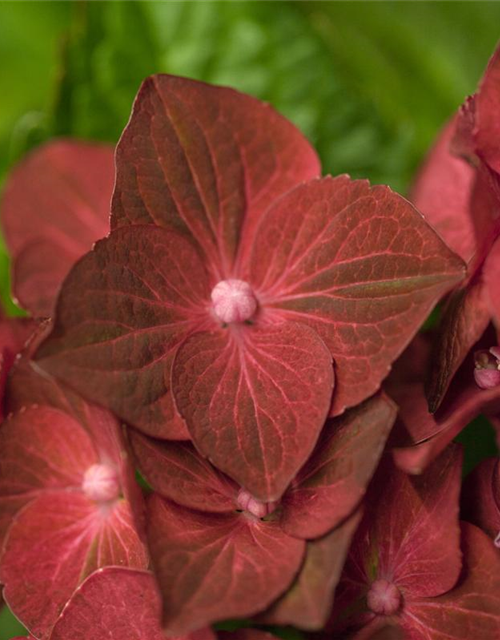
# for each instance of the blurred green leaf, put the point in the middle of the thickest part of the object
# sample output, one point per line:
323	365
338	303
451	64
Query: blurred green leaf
9	625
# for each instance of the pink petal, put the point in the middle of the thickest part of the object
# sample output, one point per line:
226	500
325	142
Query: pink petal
117	604
334	479
431	433
442	192
204	160
114	603
360	266
487	109
212	567
411	526
55	205
472	608
492	279
255	400
54	543
122	313
42	450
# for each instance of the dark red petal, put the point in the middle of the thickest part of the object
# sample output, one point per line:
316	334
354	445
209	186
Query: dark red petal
308	602
472	609
55	205
114	603
422	515
117	604
487	109
442	193
481	497
464	320
431	433
177	471
334	479
42	449
203	160
492	279
121	314
54	543
410	533
212	567
360	266
255	399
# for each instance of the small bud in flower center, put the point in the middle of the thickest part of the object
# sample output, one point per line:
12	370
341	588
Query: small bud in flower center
233	301
247	502
487	368
101	483
384	597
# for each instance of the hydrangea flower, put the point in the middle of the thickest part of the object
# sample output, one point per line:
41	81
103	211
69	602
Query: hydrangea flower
55	204
232	278
218	552
406	568
68	499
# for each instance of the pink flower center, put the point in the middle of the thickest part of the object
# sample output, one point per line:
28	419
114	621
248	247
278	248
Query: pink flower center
384	597
101	483
487	368
233	301
247	502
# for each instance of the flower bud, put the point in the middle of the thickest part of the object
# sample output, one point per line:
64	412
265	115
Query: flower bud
233	301
487	368
384	597
247	502
101	483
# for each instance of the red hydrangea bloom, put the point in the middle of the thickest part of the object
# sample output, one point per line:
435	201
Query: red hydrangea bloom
68	499
55	205
481	498
468	221
231	279
405	566
218	552
460	199
420	436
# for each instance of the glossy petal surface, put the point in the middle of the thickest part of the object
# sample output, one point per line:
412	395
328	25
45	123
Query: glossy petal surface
334	479
255	400
212	567
360	266
55	205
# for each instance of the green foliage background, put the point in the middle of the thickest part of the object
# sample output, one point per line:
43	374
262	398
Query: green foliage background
369	83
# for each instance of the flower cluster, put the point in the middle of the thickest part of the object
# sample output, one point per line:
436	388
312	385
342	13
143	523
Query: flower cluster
226	340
